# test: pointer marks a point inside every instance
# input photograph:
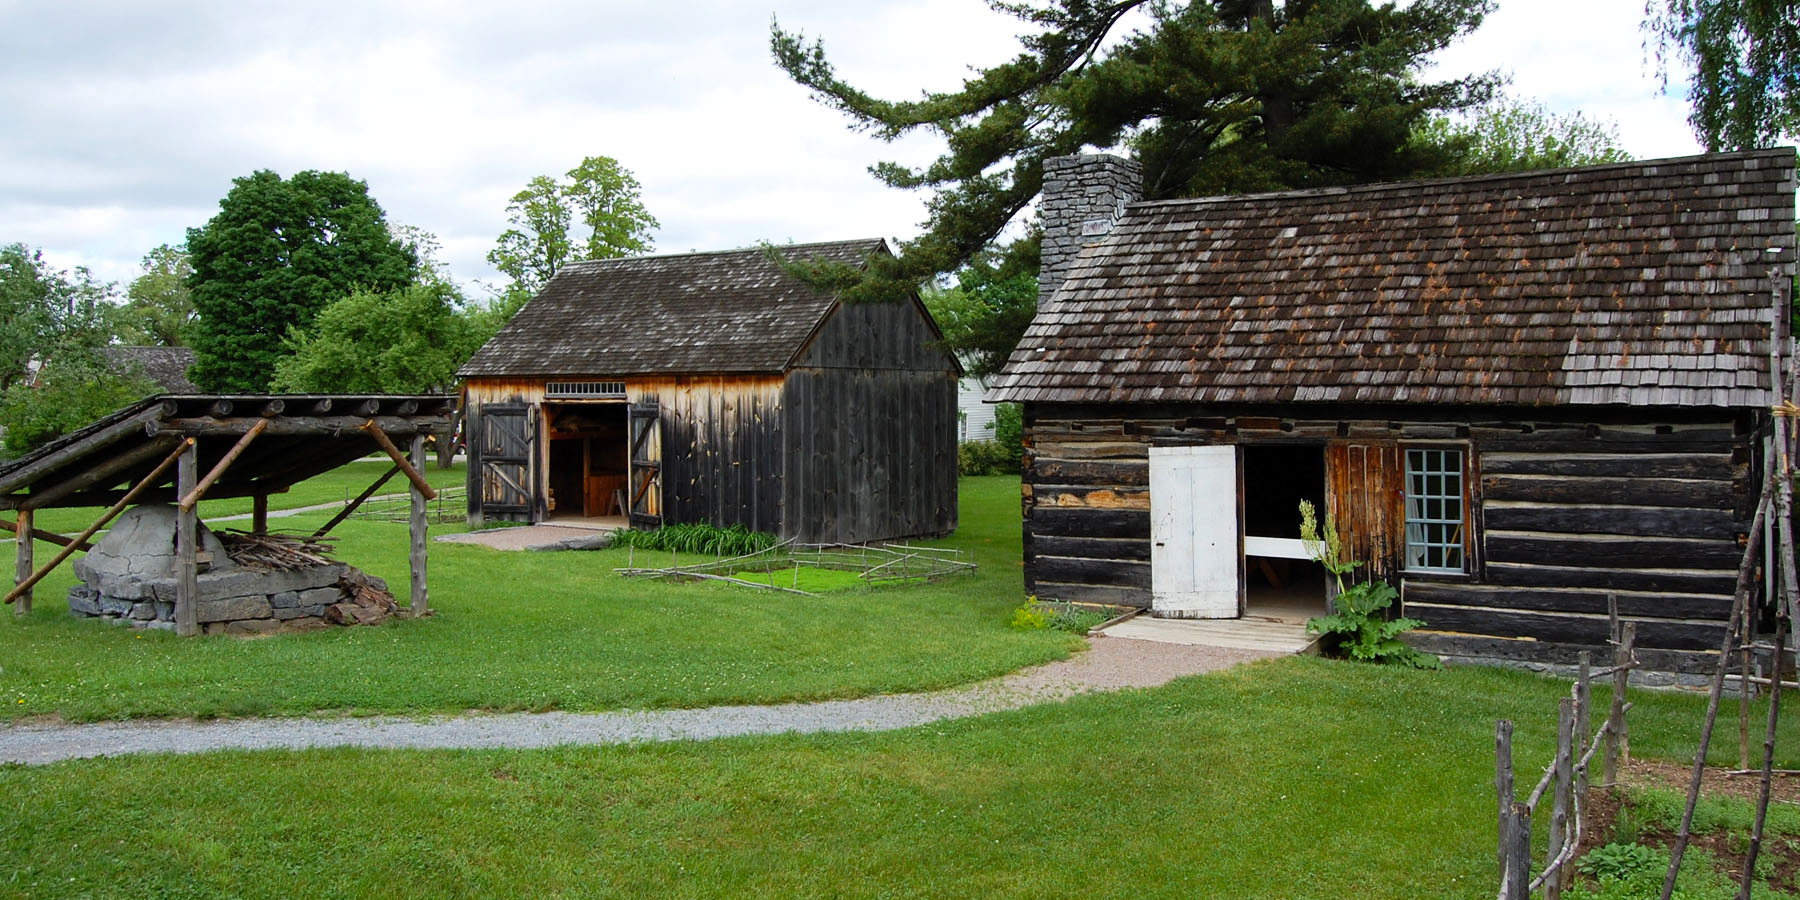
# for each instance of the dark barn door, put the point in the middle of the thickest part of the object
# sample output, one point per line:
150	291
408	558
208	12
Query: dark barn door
1364	483
505	438
646	465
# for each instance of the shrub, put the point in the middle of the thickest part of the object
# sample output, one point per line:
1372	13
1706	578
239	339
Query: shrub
1034	614
1360	628
986	458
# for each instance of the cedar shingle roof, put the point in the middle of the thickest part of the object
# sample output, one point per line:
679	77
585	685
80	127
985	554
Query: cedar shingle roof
730	311
1636	283
167	366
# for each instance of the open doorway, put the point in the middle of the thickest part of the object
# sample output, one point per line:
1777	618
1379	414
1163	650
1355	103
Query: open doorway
1280	580
589	461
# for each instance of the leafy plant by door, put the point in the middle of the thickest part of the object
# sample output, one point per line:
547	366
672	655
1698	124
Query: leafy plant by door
1358	628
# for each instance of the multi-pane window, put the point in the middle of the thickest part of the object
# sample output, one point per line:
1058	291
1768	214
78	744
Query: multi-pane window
1434	510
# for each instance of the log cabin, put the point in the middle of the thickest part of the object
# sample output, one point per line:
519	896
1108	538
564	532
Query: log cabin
1523	397
718	388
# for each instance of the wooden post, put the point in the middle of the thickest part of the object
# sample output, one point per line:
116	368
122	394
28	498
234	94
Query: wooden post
1564	793
22	567
113	511
1618	733
1583	721
259	514
187	533
1503	778
1515	850
421	601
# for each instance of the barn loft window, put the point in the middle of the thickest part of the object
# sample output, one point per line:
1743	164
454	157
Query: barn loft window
585	389
1435	511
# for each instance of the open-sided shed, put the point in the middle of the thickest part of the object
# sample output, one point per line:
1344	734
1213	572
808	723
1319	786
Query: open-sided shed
180	448
716	387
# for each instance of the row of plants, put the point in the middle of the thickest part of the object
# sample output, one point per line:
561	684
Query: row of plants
697	537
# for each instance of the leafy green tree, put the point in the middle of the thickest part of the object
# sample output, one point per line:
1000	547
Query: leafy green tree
986	312
58	320
277	253
1213	97
45	313
600	195
160	305
405	341
1511	135
1745	59
74	388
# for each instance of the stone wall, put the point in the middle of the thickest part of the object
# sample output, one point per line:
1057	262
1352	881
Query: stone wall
1083	196
129	577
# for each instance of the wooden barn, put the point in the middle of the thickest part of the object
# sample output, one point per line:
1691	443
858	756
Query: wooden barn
1518	394
716	387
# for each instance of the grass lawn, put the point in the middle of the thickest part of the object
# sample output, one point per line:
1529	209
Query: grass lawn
1294	778
336	486
520	630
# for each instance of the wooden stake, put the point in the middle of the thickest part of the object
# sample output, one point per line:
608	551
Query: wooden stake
421	600
1768	767
393	452
259	514
1583	718
1515	844
1618	732
111	513
1563	797
352	505
192	496
187	557
22	565
1503	777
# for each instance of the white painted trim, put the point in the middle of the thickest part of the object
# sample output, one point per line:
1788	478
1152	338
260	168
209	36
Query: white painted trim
1276	548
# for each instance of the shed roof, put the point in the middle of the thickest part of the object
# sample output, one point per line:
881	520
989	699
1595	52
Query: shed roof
1645	283
727	311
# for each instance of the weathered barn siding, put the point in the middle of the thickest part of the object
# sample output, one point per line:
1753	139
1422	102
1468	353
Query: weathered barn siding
1565	507
871	437
721	447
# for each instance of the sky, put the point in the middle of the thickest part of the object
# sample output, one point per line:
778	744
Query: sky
125	123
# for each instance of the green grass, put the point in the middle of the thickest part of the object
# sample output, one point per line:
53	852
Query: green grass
336	486
1294	778
519	630
811	579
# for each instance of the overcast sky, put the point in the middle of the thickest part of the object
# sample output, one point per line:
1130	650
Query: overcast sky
125	123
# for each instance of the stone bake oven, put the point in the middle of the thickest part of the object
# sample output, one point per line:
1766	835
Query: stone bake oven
282	584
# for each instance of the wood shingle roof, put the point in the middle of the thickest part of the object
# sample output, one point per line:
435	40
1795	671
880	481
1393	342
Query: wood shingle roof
730	311
1636	283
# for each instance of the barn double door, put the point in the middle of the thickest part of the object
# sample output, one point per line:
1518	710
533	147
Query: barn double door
504	442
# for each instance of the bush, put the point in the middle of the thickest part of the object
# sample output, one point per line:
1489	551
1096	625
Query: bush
987	458
1035	615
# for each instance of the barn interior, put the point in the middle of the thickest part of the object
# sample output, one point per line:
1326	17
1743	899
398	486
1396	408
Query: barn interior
1276	478
589	461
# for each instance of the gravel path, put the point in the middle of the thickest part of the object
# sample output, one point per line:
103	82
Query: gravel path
1110	664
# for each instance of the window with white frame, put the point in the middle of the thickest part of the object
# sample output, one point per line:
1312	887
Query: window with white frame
1435	511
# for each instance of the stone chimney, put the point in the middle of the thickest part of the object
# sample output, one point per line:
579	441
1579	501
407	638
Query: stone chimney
1084	195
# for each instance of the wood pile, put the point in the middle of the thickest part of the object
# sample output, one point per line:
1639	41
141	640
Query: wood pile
277	551
367	601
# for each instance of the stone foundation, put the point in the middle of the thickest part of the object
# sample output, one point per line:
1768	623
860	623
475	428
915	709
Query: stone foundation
129	578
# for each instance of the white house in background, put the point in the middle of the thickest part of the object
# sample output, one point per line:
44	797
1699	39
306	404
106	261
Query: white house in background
974	417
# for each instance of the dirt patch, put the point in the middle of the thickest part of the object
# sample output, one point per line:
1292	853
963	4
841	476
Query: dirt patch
1779	854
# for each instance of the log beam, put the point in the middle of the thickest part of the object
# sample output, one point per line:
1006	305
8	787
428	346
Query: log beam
41	534
191	497
352	505
412	474
112	512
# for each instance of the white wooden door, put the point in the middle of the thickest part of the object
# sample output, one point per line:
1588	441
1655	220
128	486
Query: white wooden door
1195	560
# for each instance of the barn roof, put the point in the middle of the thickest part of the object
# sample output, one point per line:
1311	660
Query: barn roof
728	311
166	366
1642	283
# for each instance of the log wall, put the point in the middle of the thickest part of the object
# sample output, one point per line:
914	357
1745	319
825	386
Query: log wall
1566	507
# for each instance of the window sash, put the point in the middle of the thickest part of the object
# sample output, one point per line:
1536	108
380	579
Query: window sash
1435	511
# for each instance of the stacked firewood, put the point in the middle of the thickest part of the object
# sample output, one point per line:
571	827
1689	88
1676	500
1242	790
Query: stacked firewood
366	600
277	551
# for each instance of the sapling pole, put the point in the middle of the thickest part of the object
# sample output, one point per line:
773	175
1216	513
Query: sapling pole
1618	733
1583	696
1768	768
1564	795
1739	598
1503	779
